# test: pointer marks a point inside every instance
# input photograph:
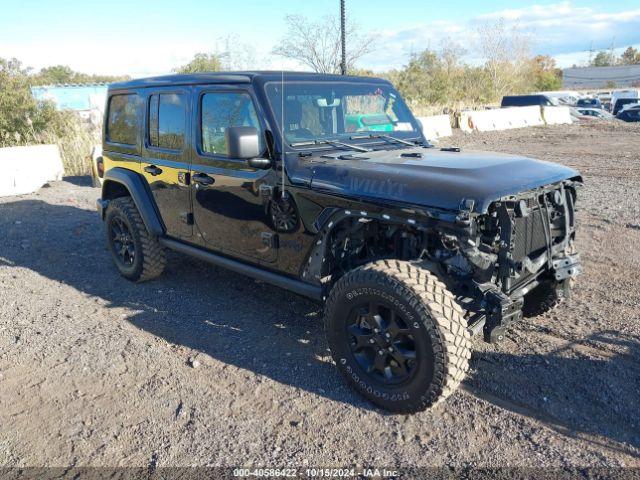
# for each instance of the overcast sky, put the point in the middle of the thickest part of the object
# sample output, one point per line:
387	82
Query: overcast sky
145	37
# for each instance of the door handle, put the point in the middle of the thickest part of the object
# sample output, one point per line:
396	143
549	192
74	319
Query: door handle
203	179
153	170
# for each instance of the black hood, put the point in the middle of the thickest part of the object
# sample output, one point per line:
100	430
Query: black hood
439	179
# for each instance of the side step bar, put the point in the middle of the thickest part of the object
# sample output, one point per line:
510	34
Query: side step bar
296	286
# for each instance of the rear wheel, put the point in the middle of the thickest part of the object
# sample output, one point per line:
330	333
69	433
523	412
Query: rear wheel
138	256
397	335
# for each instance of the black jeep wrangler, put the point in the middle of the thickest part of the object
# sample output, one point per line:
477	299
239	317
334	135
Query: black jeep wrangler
326	186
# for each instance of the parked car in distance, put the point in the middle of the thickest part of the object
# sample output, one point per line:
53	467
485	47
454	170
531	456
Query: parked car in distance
593	113
560	97
528	101
629	115
622	97
589	103
629	106
620	104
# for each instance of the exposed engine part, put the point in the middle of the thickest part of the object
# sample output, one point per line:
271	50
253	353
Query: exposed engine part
355	242
483	263
459	265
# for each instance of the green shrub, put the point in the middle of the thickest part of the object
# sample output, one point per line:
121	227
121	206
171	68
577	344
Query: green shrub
25	121
75	140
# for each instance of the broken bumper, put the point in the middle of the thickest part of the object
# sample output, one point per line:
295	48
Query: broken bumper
567	267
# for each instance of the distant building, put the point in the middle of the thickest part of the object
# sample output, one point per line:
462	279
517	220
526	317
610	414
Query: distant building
601	77
87	100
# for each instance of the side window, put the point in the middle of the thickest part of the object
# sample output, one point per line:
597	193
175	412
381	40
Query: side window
167	119
123	120
222	110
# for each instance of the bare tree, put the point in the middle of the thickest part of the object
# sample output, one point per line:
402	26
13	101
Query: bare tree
235	54
507	58
317	43
229	53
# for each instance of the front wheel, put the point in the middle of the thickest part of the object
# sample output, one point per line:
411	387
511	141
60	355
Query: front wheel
397	335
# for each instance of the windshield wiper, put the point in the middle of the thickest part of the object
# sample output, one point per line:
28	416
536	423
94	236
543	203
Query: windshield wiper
334	143
384	137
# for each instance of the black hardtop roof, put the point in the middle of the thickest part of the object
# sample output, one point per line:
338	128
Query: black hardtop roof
236	77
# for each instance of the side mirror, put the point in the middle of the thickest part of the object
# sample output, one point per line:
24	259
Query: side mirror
244	143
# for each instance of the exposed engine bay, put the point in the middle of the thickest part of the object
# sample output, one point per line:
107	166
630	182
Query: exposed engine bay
489	261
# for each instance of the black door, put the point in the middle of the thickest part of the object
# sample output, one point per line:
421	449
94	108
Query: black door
228	207
166	157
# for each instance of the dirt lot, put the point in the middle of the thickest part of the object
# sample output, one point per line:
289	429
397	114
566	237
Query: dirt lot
205	367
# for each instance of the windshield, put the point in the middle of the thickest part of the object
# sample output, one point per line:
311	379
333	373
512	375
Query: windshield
330	110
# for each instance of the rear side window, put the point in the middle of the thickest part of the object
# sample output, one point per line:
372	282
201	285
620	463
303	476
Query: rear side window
123	120
167	119
221	110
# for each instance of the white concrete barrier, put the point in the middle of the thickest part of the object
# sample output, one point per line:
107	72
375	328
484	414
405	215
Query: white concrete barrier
25	169
532	116
436	126
500	119
557	115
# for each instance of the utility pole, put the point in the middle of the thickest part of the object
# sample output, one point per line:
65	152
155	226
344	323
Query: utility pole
343	33
612	54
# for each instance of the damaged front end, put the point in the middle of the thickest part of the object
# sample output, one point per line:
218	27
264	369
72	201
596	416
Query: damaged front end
496	259
524	242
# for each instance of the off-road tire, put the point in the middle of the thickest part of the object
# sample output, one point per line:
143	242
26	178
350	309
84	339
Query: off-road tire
149	261
543	299
436	322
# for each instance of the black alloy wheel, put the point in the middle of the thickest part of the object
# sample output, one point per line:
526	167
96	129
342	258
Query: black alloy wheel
122	241
397	335
382	343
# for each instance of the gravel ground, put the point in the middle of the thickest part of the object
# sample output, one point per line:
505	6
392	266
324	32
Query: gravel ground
205	367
